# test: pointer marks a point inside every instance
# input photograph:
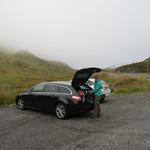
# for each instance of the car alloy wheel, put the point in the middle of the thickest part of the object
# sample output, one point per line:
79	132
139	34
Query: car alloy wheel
61	111
20	104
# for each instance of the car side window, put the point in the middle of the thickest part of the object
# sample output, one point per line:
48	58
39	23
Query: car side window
38	88
63	90
51	88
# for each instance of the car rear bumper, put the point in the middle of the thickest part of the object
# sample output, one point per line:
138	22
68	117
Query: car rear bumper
81	108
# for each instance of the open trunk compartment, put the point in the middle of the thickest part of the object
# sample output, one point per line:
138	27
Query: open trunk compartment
84	92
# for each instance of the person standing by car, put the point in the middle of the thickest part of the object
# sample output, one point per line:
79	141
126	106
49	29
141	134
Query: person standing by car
97	93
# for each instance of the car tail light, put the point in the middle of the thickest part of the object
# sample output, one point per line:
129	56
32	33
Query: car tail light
76	98
81	92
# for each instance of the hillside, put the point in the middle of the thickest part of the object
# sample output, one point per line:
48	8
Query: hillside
139	67
25	61
20	70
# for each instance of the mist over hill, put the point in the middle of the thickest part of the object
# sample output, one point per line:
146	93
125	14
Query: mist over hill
24	62
148	59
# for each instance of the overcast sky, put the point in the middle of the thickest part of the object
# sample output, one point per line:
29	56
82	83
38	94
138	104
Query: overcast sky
81	33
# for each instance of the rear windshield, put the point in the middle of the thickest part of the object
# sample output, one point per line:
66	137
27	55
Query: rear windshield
82	75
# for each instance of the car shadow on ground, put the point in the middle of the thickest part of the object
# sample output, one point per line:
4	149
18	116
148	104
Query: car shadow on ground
78	116
82	116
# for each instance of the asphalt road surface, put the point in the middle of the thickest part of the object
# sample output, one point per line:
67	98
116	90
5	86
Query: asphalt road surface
125	125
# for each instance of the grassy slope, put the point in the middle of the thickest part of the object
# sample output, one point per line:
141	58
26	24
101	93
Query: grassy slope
121	83
18	71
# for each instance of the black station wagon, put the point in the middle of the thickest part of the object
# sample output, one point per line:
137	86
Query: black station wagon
63	97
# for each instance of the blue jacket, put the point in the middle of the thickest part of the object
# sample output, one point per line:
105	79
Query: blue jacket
97	88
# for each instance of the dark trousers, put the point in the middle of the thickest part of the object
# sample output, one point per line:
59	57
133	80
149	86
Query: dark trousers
97	110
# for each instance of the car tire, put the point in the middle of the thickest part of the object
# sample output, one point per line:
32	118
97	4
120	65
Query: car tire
20	104
61	111
102	99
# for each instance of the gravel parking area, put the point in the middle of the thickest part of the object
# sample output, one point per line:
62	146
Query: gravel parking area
125	125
